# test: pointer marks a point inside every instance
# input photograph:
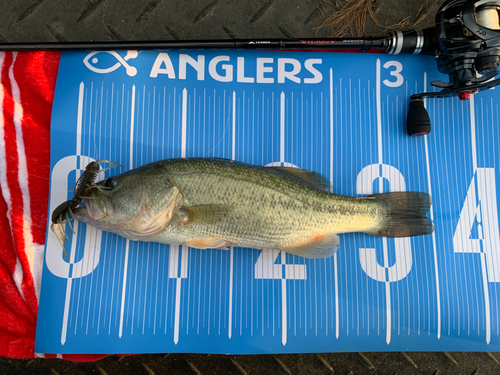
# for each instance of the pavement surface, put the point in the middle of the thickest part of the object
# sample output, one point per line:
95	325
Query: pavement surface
102	20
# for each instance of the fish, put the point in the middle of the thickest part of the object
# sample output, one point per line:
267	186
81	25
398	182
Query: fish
218	203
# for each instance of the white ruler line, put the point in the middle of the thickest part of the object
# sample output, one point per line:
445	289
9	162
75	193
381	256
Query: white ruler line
473	133
234	127
284	311
331	129
337	309
127	242
184	261
231	255
379	115
173	262
156	292
67	301
282	127
145	290
484	271
177	309
336	285
124	288
487	311
284	324
431	213
387	294
132	118
184	123
381	186
176	251
180	251
230	322
335	273
79	120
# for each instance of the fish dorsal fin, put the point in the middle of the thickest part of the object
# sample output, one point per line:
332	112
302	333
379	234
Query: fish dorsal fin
310	178
324	247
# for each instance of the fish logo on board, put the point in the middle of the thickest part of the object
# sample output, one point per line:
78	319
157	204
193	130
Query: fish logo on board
92	60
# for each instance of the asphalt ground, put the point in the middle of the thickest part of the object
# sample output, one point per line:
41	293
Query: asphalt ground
103	20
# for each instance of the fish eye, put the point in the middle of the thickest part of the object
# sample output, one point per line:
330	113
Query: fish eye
110	182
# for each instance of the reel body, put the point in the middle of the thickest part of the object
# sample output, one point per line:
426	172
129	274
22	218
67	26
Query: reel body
467	48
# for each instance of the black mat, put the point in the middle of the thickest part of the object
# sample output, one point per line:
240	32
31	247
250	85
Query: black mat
99	20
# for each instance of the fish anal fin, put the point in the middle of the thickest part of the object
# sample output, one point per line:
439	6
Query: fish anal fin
318	246
312	179
208	243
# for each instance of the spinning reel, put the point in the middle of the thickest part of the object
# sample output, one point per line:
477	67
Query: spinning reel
466	45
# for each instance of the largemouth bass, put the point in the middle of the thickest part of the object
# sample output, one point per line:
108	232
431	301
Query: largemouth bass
216	203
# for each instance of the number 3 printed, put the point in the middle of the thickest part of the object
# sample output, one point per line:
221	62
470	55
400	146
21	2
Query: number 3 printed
395	73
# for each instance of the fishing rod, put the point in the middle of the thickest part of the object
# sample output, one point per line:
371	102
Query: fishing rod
383	44
465	43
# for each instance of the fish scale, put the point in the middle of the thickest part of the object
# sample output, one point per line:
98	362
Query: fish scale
276	207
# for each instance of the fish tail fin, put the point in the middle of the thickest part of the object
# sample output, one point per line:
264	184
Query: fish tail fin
404	214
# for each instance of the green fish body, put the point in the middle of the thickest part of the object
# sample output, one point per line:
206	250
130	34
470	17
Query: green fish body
215	203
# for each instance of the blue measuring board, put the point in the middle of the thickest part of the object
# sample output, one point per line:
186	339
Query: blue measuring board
342	115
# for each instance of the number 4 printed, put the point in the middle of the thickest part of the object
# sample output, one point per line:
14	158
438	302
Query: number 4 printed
477	229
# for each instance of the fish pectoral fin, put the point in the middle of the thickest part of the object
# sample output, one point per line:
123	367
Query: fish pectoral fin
320	246
206	214
208	243
312	179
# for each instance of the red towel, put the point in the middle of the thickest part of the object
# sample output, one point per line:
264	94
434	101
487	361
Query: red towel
27	84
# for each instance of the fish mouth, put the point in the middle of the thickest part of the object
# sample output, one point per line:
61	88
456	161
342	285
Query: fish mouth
82	214
96	208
